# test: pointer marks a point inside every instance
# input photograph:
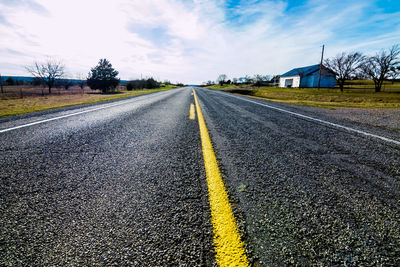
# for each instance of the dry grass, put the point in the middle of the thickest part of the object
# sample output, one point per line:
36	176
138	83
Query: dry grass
388	86
36	102
326	98
363	97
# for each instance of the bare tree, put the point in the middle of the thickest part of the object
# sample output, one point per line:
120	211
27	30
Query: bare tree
67	83
275	79
378	67
48	71
260	80
244	79
81	81
344	66
221	79
394	73
209	83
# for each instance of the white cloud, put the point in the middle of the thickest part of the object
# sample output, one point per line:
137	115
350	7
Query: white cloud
188	41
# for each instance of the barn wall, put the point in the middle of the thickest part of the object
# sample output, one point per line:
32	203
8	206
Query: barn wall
311	81
328	82
296	81
308	81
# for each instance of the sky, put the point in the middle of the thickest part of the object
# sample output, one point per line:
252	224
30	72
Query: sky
190	41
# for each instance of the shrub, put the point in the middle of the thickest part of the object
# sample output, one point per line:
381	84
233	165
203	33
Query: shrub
149	83
103	77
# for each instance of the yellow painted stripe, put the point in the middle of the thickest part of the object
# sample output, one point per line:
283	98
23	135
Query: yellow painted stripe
228	245
192	114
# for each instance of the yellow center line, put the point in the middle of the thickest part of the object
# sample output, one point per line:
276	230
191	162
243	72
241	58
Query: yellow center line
192	114
228	245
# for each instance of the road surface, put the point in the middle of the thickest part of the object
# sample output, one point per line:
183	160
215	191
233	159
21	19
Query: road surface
124	183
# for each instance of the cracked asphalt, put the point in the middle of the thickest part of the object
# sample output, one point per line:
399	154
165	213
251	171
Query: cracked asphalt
124	185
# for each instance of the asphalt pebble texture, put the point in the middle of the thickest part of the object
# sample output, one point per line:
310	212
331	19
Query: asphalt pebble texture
120	186
306	194
124	185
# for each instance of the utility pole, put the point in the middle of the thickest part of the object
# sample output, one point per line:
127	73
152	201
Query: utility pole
320	67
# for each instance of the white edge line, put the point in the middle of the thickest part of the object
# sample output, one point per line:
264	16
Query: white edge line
124	101
315	119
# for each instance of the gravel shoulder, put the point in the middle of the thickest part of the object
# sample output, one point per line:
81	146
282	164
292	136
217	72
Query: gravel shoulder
379	121
385	118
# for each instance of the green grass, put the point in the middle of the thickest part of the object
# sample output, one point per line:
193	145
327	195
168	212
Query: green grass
325	98
16	106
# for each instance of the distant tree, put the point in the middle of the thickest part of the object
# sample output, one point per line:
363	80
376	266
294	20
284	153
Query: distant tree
10	81
378	67
258	79
228	82
47	71
261	79
275	79
81	81
129	86
344	66
148	83
103	77
136	84
394	73
359	75
221	79
235	81
37	81
210	82
246	79
1	84
152	83
66	83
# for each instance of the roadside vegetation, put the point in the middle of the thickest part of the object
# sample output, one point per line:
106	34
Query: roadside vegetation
33	102
356	94
49	88
361	82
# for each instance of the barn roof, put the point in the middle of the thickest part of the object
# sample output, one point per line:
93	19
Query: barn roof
304	71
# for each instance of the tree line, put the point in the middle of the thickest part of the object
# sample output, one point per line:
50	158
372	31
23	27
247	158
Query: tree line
257	80
103	76
379	67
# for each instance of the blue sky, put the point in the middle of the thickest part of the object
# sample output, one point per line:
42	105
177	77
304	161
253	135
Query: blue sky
191	41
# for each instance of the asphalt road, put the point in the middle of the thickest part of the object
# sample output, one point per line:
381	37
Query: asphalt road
123	183
119	186
307	193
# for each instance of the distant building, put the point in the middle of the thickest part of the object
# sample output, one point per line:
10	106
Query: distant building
308	77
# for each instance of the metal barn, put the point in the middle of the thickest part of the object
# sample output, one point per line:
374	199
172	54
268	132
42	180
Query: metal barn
308	77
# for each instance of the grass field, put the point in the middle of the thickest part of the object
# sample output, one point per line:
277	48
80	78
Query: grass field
32	100
357	94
